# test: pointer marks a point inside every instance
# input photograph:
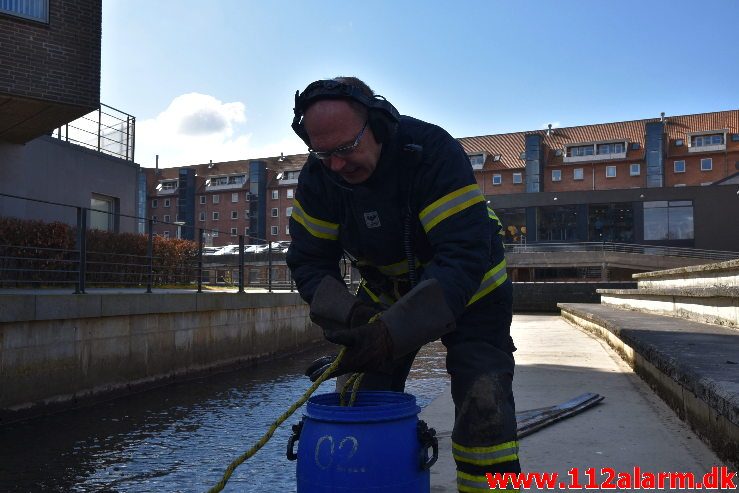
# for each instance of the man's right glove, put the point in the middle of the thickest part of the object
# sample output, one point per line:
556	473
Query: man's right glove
333	307
421	316
369	348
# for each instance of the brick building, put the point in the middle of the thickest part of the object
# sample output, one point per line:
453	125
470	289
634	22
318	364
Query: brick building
50	80
664	181
651	181
252	198
49	65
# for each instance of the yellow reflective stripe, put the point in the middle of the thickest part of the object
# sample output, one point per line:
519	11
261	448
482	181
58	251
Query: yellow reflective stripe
470	483
450	204
494	217
486	456
491	280
316	227
396	269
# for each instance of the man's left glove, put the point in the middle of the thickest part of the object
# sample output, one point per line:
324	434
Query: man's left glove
369	348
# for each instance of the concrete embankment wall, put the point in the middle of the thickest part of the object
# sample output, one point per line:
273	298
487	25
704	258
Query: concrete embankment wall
544	296
58	350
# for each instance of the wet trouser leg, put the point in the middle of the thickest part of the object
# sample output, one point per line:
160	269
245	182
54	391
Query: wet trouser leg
481	365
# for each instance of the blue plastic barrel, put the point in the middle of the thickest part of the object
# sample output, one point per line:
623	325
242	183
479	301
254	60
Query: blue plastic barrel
376	445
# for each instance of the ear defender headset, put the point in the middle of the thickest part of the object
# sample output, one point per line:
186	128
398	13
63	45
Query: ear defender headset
382	117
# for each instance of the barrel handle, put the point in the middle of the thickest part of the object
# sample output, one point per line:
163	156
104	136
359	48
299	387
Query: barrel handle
427	436
291	455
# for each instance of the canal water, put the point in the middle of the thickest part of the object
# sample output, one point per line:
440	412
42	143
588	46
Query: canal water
180	438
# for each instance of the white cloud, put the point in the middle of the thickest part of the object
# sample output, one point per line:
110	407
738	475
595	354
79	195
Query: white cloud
196	128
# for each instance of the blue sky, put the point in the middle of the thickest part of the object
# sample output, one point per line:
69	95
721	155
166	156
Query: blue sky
216	79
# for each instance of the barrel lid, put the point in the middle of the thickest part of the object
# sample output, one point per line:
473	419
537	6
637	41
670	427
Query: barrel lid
369	406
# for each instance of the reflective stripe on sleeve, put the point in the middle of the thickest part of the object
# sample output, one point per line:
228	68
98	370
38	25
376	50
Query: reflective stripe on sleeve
450	204
491	280
486	456
316	227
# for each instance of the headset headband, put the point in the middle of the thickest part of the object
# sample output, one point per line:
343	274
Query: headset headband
383	115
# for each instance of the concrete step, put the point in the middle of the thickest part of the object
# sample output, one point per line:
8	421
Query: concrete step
693	366
715	305
715	275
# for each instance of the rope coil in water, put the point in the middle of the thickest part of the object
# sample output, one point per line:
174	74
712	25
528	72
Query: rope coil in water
353	381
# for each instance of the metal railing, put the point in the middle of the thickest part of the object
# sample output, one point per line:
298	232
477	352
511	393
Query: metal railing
107	130
82	258
629	248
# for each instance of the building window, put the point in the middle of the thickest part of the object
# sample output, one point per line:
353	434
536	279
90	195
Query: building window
497	179
216	199
167	203
679	142
37	10
234	197
477	160
246	231
234	232
274	230
202	216
215	233
234	215
610	172
216	216
275	194
154	203
706	140
577	174
288	211
679	166
556	175
611	148
517	178
706	164
154	218
578	151
202	199
167	185
287	229
165	234
634	169
102	212
668	220
275	212
166	218
290	193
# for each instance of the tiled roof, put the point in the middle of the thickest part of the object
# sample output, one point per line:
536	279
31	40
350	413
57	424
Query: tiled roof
510	146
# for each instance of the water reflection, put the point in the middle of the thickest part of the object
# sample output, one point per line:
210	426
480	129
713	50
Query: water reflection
179	438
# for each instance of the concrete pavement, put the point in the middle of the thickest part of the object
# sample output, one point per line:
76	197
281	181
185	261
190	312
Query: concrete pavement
631	427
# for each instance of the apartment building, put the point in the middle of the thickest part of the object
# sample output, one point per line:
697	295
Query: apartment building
49	78
670	180
252	198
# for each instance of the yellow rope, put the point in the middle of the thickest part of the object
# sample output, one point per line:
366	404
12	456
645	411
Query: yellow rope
239	460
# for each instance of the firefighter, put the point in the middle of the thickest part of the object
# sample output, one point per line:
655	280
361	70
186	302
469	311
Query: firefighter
398	197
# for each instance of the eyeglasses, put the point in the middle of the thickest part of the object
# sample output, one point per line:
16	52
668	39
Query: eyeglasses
341	151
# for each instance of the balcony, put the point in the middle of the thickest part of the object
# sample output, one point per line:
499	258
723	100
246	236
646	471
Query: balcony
596	151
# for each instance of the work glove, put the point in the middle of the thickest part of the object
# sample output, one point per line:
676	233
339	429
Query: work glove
369	349
333	307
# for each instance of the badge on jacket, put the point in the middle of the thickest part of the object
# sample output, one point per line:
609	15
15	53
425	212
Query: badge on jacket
372	219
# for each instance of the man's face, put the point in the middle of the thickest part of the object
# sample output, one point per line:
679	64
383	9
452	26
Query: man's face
335	124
